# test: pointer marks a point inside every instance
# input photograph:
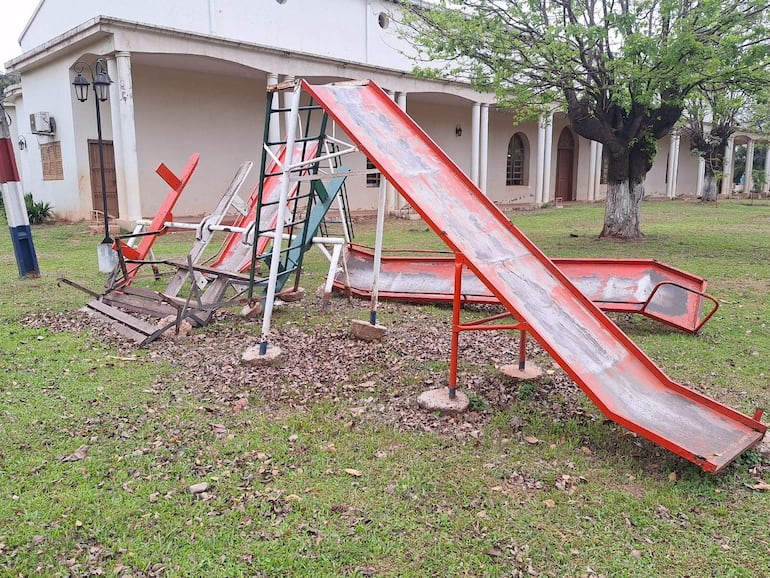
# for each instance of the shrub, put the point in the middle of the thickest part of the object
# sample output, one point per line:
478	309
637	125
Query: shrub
37	211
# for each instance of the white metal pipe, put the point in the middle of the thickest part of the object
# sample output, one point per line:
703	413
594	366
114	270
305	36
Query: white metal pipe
341	212
280	219
377	255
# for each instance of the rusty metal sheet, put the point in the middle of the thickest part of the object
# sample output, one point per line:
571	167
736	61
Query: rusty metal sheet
615	374
620	285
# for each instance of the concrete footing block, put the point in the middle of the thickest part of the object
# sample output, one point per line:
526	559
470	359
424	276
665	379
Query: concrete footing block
252	356
438	400
291	295
530	371
366	331
252	311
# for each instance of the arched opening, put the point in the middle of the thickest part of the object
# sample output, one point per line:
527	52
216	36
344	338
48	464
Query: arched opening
565	163
517	161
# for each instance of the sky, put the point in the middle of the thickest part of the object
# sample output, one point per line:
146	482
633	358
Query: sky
13	18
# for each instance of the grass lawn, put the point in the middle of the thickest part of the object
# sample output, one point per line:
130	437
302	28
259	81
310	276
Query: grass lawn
302	485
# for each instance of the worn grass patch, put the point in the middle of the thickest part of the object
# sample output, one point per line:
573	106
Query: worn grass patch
324	467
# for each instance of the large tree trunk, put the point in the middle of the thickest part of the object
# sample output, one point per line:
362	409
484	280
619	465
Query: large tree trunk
709	192
625	192
623	210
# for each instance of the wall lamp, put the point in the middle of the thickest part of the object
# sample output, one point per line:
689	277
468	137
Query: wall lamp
22	142
458	130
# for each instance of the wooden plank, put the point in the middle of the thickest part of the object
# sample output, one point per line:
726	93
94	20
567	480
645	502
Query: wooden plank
124	318
139	305
119	328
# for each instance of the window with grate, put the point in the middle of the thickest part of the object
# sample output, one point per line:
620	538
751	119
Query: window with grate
50	155
515	171
372	179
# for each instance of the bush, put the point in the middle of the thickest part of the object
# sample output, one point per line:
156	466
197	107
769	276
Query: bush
38	211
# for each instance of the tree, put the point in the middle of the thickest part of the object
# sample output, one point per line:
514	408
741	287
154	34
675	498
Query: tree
710	120
621	70
7	79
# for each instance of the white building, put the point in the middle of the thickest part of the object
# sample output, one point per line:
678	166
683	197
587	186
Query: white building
190	76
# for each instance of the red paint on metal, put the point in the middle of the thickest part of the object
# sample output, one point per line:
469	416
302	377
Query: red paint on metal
613	372
163	215
643	286
8	171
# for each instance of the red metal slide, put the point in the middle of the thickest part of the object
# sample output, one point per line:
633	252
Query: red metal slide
642	286
615	374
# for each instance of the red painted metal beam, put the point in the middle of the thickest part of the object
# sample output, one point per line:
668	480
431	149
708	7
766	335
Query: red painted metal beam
157	226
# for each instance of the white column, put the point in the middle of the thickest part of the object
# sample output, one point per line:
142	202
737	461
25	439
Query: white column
540	177
547	176
475	122
727	178
766	187
484	152
287	98
395	201
598	169
670	165
748	181
274	130
701	176
591	195
124	137
675	177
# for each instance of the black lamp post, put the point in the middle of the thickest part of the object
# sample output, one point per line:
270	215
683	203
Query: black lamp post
101	82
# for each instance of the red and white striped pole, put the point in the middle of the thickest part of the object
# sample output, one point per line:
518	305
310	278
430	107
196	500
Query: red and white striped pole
15	207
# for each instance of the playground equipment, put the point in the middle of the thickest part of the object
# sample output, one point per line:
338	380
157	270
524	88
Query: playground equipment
539	297
613	372
288	205
642	286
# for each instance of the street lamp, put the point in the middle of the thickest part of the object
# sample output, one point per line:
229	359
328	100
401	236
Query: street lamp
101	82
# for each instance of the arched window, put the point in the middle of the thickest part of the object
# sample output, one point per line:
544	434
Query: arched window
517	162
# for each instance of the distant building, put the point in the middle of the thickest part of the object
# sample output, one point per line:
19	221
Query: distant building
190	76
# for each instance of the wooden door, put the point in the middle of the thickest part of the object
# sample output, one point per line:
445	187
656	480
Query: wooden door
109	175
565	160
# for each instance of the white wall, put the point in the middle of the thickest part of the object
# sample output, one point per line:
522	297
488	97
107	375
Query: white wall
179	113
501	129
343	29
48	88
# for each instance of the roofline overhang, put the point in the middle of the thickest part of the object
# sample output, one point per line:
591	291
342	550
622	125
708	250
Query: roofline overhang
104	29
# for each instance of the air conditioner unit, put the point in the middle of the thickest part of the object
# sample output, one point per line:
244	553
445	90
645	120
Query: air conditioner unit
42	123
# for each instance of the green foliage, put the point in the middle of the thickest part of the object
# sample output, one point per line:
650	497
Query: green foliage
622	71
38	211
7	79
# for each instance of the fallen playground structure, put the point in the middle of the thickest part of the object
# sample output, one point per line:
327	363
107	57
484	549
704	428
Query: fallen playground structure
642	286
539	297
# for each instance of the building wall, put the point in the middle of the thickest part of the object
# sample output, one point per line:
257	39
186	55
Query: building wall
346	29
181	112
501	130
48	89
